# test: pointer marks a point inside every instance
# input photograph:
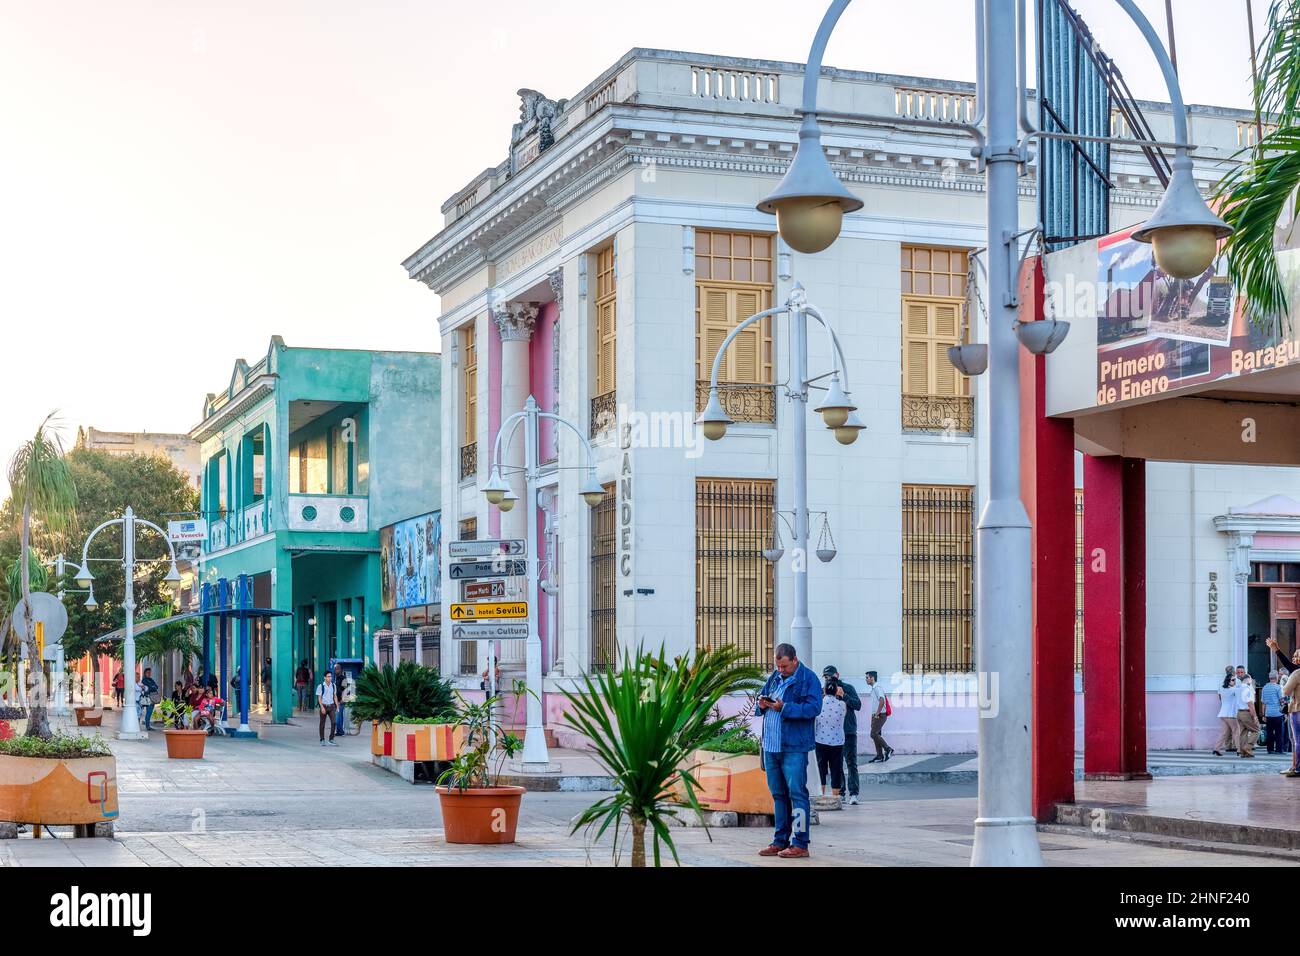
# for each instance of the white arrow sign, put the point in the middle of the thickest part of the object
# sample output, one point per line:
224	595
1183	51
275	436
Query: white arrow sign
489	632
511	547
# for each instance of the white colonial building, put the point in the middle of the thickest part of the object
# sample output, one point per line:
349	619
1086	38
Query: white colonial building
597	268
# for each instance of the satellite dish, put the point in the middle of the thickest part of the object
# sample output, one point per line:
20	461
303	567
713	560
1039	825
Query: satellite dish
48	610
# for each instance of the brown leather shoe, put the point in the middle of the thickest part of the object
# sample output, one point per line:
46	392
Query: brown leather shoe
775	849
793	853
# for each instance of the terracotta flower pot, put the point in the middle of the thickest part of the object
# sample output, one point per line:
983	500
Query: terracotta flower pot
185	744
89	717
53	790
480	815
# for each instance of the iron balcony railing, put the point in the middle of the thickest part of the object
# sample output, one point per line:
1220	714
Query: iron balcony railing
949	414
744	402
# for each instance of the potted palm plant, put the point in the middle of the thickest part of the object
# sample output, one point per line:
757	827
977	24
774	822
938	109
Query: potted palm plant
476	808
645	721
182	742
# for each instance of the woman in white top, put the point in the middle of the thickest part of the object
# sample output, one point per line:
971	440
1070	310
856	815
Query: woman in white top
828	736
1229	699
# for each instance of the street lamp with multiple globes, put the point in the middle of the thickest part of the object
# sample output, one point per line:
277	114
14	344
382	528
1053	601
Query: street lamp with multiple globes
130	726
498	493
810	204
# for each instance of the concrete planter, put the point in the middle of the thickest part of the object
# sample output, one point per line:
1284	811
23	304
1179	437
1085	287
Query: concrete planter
426	741
89	717
185	744
735	782
12	727
51	790
481	816
381	739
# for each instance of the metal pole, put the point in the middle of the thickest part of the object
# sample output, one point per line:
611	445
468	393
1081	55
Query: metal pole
130	727
535	753
1254	70
1005	830
1169	23
800	626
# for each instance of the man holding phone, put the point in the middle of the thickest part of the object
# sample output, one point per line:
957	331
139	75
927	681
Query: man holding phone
789	702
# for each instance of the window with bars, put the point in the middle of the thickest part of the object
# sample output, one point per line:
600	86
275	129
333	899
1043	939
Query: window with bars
936	397
735	596
604	581
469	393
1078	579
938	567
733	273
606	343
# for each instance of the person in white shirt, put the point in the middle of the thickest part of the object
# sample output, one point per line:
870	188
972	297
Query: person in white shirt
326	694
1229	701
1247	717
828	737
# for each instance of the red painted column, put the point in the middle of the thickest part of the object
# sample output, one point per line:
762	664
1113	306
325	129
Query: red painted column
1134	701
1114	618
1047	489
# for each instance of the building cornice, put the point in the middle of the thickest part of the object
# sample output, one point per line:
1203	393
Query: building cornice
244	400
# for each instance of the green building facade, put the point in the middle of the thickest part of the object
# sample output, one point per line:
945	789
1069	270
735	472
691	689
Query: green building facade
306	454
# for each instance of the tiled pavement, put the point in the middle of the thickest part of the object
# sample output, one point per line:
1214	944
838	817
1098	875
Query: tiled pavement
285	801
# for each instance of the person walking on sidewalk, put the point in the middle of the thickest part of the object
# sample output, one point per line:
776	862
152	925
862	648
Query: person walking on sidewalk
852	704
1247	716
1229	697
878	706
1291	692
1271	697
828	733
789	702
327	702
119	689
302	681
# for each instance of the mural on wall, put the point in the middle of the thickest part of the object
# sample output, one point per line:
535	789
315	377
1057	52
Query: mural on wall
410	563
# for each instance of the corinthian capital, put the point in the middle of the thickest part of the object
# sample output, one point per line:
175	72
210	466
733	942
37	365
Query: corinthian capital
515	320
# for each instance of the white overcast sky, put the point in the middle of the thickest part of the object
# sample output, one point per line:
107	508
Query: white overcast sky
180	180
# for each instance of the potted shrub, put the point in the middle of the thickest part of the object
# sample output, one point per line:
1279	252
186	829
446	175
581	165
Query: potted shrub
645	720
182	743
408	690
58	779
13	722
475	807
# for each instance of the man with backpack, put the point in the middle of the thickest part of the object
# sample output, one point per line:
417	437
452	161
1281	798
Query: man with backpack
878	704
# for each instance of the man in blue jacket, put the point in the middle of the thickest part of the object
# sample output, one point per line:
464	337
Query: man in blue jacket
789	702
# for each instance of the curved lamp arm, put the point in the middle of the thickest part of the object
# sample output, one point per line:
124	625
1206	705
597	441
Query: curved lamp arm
591	455
717	359
842	366
85	548
512	422
171	548
1166	68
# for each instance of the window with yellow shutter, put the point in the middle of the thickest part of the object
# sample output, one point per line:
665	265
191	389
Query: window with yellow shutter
734	281
604	397
469	402
936	397
938	570
735	597
604	581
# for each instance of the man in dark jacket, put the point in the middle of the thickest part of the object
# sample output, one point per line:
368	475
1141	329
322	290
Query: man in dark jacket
789	702
852	704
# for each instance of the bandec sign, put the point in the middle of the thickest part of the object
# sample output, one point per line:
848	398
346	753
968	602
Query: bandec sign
190	530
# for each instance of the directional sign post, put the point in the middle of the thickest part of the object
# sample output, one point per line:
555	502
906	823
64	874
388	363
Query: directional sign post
503	568
479	590
490	610
489	632
510	547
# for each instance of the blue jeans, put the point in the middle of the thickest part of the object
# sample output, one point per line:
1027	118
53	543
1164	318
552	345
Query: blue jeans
339	718
148	715
787	778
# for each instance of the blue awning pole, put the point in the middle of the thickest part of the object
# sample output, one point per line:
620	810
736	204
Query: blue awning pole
243	673
225	675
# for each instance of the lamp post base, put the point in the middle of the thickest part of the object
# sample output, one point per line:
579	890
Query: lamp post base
1006	841
133	735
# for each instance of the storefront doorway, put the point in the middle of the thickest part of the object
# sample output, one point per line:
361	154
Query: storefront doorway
1273	611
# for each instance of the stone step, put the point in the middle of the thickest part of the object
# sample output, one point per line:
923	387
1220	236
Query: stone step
1173	842
522	734
1110	821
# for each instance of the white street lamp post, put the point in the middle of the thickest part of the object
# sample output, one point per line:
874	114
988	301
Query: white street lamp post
499	494
130	727
810	204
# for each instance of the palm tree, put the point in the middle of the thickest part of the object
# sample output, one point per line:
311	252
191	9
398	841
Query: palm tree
644	720
42	488
1257	194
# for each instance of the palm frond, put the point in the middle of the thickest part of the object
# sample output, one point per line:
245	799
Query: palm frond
1277	90
40	479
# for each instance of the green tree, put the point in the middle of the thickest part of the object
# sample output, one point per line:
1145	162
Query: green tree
45	497
106	484
1258	193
